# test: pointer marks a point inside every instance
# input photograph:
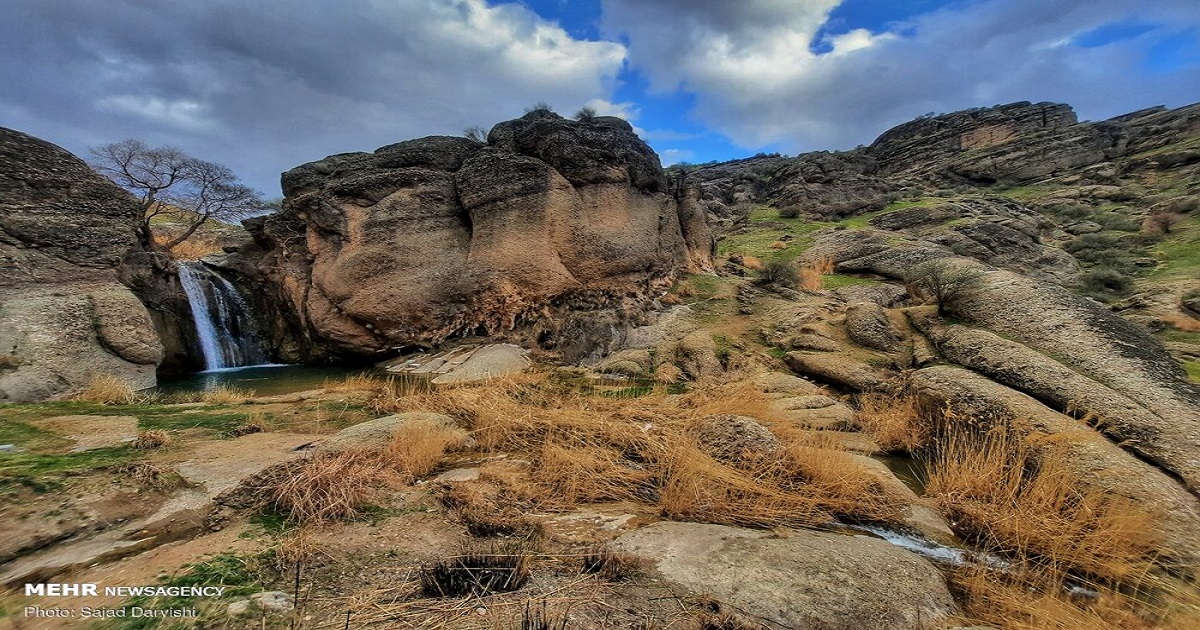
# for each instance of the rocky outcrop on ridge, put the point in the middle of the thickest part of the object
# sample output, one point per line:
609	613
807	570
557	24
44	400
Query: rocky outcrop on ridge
66	239
442	236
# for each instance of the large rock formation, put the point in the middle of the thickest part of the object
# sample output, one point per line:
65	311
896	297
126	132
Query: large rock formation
441	236
66	238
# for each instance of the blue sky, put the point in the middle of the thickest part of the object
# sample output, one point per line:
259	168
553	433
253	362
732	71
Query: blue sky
263	89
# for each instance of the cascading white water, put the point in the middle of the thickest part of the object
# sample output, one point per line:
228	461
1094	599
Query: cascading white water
225	327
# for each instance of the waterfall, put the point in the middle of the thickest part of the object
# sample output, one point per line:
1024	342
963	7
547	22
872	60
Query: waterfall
225	327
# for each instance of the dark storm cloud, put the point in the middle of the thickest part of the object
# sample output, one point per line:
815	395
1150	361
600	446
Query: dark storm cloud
758	80
263	87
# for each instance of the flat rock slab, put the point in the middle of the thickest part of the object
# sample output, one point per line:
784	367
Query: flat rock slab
487	362
377	434
92	432
800	579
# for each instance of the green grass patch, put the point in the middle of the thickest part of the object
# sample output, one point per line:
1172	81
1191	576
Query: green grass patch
837	281
44	473
240	575
1179	253
1193	370
150	416
1174	334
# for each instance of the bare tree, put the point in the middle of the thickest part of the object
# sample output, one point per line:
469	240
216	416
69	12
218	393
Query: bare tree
944	282
168	182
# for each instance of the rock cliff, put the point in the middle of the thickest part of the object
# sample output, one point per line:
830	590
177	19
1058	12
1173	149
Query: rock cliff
67	239
442	236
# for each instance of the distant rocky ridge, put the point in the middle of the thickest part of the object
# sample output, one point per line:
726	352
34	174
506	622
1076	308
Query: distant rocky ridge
1012	144
68	247
442	236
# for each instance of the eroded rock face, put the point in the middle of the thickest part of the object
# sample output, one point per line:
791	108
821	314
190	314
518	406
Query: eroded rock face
65	236
428	238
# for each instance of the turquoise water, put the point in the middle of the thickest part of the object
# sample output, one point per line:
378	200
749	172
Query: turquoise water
264	380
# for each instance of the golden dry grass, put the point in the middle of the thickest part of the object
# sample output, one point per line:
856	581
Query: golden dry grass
894	421
812	274
107	389
225	396
588	449
152	439
362	382
330	487
1019	496
1182	322
419	445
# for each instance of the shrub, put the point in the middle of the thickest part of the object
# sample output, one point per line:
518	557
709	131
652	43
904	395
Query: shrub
585	114
611	565
894	422
475	134
812	274
1104	282
327	487
946	282
778	272
789	212
1162	222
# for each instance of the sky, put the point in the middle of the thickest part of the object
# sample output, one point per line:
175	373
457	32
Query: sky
265	86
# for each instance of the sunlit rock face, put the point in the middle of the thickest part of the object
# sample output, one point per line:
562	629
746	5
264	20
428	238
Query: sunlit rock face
438	236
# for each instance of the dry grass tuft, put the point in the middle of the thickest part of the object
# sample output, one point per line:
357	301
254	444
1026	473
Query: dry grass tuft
812	274
152	439
894	422
541	619
325	488
485	511
225	396
362	382
613	566
1019	496
150	475
296	549
778	245
255	423
107	389
420	444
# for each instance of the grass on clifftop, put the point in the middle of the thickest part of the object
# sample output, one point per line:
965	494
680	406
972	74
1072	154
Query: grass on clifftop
1179	252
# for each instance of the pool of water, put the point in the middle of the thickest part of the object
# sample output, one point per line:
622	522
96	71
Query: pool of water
913	472
264	380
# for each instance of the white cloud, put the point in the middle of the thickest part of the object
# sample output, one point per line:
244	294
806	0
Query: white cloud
675	156
262	87
756	79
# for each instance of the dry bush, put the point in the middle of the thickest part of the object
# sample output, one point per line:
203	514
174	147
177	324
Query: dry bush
752	262
107	389
591	474
152	439
486	511
325	488
419	444
778	245
894	422
1021	497
225	396
296	549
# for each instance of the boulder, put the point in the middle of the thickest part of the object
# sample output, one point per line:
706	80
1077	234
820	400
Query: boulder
696	356
796	578
729	437
838	370
489	362
780	383
66	234
868	325
377	434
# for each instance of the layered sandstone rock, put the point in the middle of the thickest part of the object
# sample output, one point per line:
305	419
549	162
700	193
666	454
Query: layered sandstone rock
440	236
66	235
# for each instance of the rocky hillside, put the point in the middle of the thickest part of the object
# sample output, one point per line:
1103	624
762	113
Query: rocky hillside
68	240
441	236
